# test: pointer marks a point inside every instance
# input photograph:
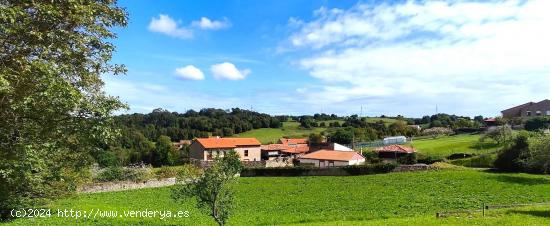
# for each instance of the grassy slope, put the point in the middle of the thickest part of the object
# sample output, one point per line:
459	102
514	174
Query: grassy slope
398	199
445	146
289	129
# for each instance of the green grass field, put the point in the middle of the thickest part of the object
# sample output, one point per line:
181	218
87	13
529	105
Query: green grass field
386	121
391	199
445	146
271	135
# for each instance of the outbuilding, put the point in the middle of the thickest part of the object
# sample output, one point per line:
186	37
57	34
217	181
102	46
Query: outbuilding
330	158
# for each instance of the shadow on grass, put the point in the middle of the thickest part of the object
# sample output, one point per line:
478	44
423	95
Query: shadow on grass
536	213
522	180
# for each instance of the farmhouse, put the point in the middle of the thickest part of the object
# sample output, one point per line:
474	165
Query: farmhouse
205	149
329	158
527	110
394	151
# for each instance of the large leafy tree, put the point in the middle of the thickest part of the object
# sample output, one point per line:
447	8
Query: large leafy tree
52	108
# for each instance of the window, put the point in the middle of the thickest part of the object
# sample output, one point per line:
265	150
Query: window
548	113
528	113
245	153
539	113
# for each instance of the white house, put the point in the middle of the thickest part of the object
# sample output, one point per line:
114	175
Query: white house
329	158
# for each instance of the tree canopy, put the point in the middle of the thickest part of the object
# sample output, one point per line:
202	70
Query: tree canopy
53	110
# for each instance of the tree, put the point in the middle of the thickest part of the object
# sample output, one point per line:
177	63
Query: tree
510	157
164	152
537	158
537	123
315	139
53	110
213	190
500	134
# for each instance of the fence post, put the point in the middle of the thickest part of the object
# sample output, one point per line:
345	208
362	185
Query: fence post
483	209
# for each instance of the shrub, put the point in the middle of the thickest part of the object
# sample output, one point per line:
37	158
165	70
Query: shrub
166	172
500	134
332	171
485	161
537	159
459	156
537	123
407	159
509	158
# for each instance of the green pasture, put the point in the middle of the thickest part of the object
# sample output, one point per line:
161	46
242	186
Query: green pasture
386	199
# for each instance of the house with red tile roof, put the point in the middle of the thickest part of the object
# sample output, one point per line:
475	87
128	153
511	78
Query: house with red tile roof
205	149
330	158
394	151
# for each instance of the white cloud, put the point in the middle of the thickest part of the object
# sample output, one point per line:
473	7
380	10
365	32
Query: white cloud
207	24
463	54
228	71
166	25
190	72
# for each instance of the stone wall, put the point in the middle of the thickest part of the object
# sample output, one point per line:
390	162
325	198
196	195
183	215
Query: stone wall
126	185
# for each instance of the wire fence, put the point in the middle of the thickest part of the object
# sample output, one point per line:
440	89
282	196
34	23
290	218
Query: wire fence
484	208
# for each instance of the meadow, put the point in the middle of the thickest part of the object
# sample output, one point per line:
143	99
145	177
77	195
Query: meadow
445	146
391	199
272	135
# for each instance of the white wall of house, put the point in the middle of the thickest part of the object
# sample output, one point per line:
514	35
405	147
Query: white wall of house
327	163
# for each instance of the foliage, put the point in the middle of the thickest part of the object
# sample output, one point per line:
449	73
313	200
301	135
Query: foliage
501	134
537	158
481	161
53	110
136	174
408	159
315	139
435	132
213	190
537	123
393	197
342	136
509	158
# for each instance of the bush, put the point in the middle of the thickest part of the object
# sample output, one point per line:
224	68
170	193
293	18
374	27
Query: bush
537	123
123	174
459	156
484	161
332	171
166	172
408	159
509	158
428	159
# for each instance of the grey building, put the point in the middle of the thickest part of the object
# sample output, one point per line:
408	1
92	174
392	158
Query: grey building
527	110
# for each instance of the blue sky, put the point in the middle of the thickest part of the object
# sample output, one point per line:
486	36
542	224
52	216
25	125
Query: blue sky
303	57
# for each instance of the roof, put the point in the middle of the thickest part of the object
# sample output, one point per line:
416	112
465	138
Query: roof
334	155
490	120
215	142
395	148
286	148
293	141
519	106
